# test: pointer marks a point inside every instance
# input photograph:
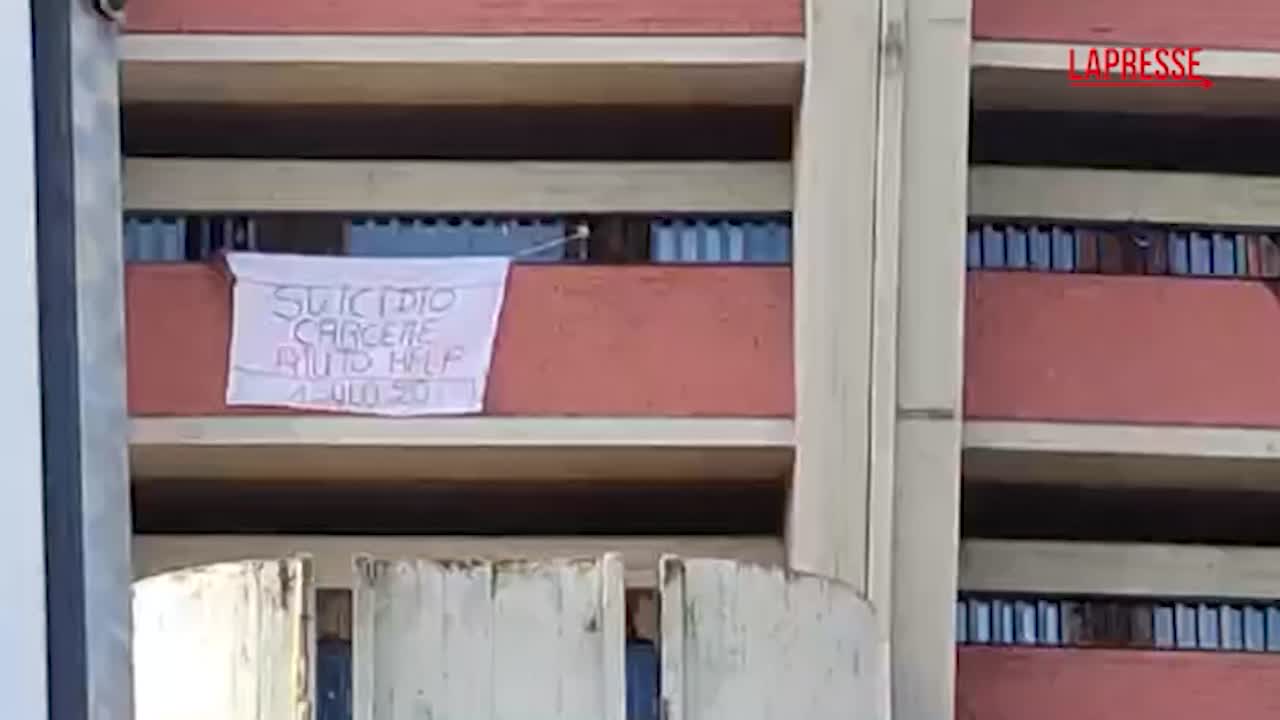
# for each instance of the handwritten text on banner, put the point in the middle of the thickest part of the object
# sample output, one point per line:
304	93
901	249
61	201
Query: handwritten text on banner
402	336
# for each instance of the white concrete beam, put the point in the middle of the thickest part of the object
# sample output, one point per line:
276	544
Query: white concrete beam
223	185
518	70
1119	569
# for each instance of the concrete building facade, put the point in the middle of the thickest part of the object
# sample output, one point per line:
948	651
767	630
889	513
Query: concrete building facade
890	291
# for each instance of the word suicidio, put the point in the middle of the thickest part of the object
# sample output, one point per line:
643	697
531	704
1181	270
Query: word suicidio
1134	67
294	301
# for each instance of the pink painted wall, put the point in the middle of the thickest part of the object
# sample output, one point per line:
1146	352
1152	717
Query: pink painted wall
637	340
1053	684
470	17
1122	349
1252	24
716	341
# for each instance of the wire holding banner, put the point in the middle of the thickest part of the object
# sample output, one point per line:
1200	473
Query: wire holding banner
581	231
578	232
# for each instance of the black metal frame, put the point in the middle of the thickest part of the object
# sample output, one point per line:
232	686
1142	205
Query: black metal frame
59	351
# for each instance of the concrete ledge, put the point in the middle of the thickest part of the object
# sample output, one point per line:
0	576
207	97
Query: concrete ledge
195	186
524	69
355	448
1119	569
1123	455
1124	196
1033	76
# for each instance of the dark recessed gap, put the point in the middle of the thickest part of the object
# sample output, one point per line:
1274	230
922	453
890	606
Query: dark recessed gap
1113	514
1127	141
459	133
701	507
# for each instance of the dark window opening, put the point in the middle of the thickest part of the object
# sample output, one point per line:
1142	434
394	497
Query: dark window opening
1113	250
334	659
607	239
1203	624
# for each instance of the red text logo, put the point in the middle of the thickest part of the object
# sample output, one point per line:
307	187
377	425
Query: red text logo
1136	67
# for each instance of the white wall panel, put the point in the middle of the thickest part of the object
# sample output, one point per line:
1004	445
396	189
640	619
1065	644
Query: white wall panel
746	642
224	642
482	640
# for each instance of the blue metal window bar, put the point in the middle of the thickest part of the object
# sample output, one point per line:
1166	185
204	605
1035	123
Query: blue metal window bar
672	239
719	240
1049	247
1139	623
178	238
531	239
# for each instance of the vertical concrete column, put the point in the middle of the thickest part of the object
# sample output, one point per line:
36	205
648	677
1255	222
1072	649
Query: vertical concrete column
880	209
848	176
85	424
933	217
835	158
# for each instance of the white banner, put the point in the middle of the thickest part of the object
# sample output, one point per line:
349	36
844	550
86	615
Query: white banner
402	336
